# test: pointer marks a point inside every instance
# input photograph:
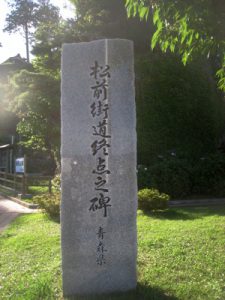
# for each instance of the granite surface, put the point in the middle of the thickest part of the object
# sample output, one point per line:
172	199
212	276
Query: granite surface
99	188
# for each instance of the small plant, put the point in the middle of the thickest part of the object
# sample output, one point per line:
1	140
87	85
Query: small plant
50	203
56	183
152	199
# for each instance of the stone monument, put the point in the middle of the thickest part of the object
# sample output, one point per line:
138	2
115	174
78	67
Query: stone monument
99	188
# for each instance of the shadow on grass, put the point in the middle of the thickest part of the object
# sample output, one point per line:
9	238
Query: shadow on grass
54	218
6	235
141	293
190	213
23	219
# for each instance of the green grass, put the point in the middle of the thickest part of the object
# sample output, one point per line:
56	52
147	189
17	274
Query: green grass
37	190
30	259
182	252
181	256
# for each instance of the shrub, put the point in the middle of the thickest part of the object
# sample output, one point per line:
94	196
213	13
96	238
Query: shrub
172	176
152	199
209	176
50	203
56	183
143	176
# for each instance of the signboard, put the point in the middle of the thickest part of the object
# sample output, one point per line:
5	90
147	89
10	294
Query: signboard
20	165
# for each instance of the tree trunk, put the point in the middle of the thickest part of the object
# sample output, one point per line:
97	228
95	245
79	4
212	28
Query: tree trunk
27	43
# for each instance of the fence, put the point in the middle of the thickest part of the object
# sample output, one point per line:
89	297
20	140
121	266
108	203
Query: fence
21	182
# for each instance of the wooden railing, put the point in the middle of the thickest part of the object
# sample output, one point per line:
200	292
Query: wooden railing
21	182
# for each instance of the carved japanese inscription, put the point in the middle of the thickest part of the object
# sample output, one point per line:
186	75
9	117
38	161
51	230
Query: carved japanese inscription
99	190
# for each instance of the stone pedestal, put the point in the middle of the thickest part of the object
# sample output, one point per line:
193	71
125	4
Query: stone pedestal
99	189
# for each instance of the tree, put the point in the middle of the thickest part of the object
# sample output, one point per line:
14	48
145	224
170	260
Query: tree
27	14
192	28
97	19
49	38
34	95
179	109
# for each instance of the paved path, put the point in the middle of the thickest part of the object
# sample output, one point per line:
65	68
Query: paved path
9	210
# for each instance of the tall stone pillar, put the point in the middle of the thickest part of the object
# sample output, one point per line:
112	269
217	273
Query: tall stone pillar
99	188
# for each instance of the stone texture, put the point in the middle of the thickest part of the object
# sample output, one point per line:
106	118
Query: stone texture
84	246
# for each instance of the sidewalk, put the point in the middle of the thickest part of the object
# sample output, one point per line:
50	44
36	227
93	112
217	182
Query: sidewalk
9	210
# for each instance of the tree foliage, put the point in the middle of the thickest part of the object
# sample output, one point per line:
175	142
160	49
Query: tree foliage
179	109
49	38
191	28
34	96
97	19
25	15
175	100
35	100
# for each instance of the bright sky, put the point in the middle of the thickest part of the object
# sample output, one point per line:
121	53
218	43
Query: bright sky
14	43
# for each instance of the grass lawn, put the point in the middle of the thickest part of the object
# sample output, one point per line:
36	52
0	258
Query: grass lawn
181	256
37	190
38	187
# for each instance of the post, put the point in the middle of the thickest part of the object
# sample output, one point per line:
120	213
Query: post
50	185
26	183
99	188
25	175
25	164
11	161
23	185
14	182
27	42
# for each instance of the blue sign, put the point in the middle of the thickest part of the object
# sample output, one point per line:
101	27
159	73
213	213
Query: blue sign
20	165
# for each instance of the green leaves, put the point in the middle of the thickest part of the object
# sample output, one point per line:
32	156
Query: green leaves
221	75
156	17
135	7
155	38
131	6
143	12
192	28
185	57
159	25
25	15
35	100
